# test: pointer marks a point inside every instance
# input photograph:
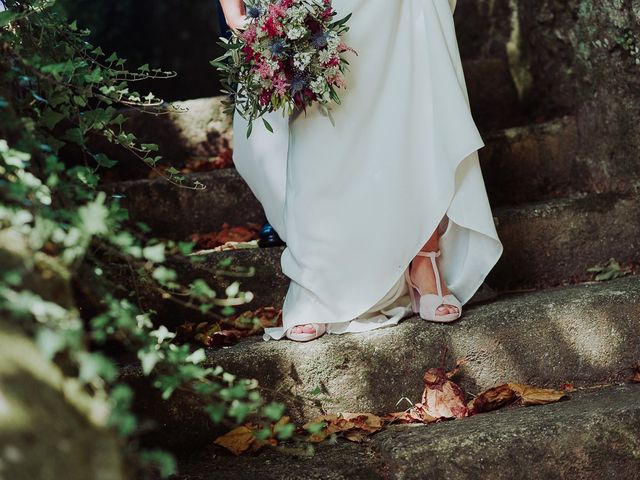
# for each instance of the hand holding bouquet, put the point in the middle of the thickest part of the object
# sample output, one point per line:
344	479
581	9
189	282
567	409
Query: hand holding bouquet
289	56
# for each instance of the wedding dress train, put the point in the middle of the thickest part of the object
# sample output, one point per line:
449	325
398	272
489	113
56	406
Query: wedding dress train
356	202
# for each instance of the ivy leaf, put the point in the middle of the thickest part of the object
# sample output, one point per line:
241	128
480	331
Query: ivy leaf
74	135
149	360
104	161
154	253
7	17
95	76
50	118
94	215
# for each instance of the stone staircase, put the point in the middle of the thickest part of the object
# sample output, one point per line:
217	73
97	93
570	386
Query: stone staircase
546	327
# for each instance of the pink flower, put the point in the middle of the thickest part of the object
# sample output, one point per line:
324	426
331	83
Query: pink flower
281	85
338	81
264	70
272	27
249	35
276	10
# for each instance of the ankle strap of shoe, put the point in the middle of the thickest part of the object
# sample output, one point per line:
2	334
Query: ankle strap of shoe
435	254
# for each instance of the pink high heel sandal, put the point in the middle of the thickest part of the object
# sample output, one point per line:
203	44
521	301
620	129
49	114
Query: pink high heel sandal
427	304
321	329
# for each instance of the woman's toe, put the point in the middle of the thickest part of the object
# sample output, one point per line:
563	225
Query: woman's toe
308	329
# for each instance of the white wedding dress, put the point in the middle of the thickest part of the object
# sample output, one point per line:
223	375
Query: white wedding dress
355	202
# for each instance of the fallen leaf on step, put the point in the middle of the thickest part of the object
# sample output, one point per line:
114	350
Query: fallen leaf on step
238	440
352	426
491	399
513	393
416	414
227	235
443	398
529	395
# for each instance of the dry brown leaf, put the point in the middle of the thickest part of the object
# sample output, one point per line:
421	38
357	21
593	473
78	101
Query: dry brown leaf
530	395
491	399
352	426
238	440
443	398
635	373
416	414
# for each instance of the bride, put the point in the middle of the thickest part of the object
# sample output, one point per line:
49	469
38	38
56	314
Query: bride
385	214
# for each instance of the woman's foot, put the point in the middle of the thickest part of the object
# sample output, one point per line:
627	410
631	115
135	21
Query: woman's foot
306	332
422	275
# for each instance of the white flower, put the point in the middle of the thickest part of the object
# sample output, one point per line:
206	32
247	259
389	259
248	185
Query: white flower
294	33
301	60
324	55
318	86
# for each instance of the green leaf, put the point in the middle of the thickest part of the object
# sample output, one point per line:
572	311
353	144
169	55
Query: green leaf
163	461
284	431
6	17
94	216
144	68
79	100
104	161
149	360
95	76
267	125
73	25
74	135
50	342
154	253
197	357
216	412
274	411
50	118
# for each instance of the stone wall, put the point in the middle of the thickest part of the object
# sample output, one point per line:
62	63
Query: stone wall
570	56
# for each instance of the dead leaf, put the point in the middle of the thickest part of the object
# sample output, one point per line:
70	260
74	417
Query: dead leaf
442	398
219	338
238	440
352	426
416	414
530	395
491	399
635	373
227	235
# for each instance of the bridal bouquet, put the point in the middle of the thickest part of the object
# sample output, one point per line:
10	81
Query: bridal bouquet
289	56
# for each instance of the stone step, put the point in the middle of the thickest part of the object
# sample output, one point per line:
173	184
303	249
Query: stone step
545	244
584	334
519	164
198	128
553	242
492	94
593	434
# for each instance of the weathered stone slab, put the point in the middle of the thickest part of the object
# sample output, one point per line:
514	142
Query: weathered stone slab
46	429
553	242
519	164
592	435
585	335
